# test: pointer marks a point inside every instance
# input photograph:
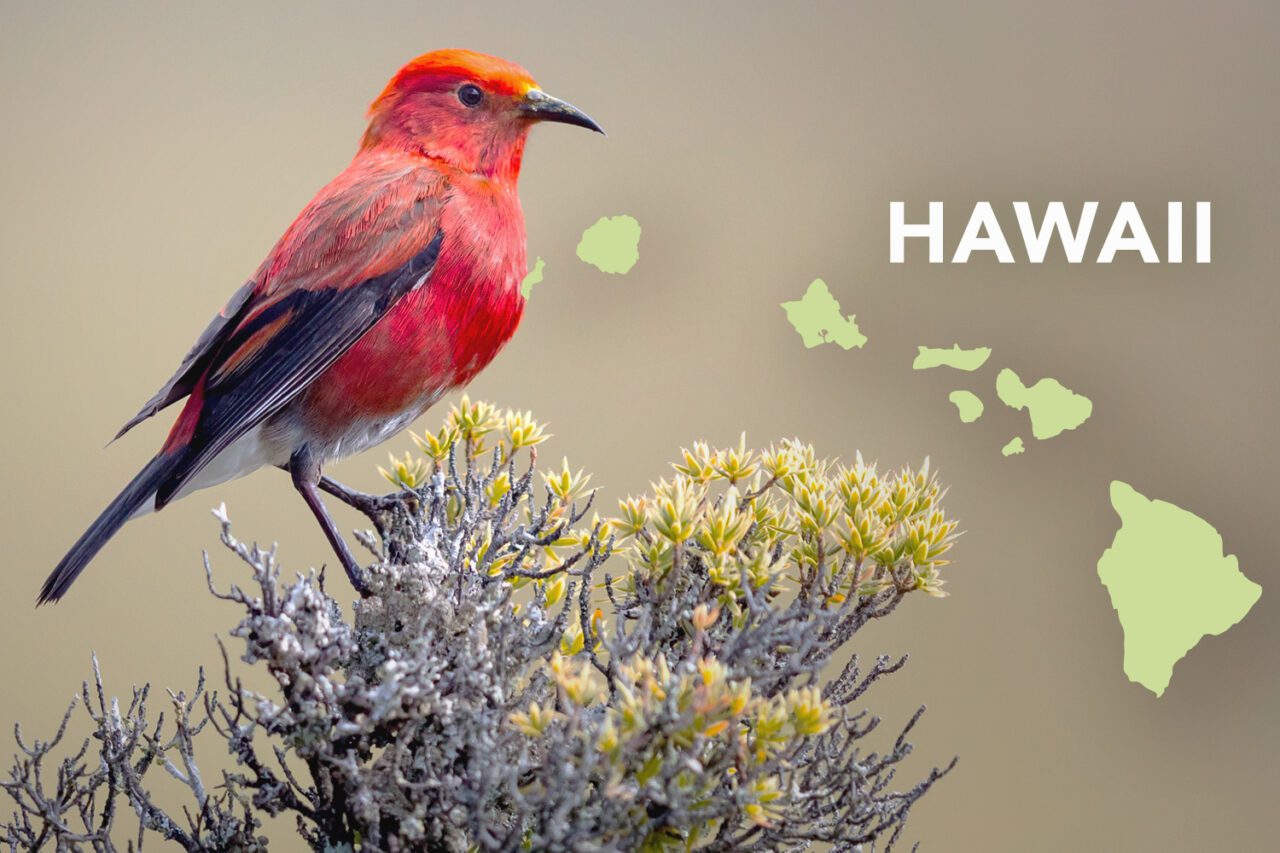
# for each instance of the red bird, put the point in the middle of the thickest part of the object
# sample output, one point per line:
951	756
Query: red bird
399	282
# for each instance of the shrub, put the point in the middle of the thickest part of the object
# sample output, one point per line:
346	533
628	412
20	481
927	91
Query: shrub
526	677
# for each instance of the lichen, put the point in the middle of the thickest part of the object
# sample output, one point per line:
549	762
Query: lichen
527	674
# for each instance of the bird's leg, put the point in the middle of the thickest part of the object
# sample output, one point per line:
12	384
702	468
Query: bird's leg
305	472
373	506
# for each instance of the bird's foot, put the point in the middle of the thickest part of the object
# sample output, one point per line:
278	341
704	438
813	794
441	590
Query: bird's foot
385	511
356	575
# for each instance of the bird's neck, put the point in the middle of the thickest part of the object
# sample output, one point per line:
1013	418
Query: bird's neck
496	156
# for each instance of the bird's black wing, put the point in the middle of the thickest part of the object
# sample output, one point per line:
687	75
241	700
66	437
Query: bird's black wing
277	351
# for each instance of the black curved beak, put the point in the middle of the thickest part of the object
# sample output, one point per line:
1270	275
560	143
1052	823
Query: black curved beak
540	106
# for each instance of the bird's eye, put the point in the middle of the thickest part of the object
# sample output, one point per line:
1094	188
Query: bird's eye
470	95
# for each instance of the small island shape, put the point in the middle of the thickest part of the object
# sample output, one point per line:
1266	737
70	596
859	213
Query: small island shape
612	245
1014	447
534	276
816	316
960	359
968	404
1054	408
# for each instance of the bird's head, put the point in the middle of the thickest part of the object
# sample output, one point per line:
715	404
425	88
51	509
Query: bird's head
470	110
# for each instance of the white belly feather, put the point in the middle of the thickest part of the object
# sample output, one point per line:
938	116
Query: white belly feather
272	444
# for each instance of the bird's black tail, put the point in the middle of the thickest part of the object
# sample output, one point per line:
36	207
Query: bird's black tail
142	488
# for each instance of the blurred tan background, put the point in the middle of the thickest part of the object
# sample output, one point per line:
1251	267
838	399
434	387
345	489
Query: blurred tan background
152	153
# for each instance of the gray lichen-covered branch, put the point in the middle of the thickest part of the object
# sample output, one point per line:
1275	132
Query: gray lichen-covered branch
529	676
